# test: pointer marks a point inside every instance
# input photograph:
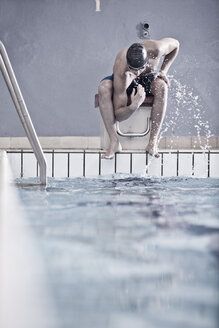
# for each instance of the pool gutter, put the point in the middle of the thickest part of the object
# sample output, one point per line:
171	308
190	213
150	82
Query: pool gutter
24	299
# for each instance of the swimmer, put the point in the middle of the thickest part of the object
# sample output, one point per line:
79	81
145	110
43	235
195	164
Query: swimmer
134	77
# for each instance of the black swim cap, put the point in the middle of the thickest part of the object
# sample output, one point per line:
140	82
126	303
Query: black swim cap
136	55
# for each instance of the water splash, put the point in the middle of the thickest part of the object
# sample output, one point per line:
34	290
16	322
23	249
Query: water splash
189	109
149	161
190	105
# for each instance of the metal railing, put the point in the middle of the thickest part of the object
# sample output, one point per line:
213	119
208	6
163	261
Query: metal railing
13	87
133	134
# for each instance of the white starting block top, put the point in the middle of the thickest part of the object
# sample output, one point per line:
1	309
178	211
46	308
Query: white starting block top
134	132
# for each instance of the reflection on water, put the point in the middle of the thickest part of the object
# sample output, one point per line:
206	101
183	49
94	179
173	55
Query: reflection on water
126	251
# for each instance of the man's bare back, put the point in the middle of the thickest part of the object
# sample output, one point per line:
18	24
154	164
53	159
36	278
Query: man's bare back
123	76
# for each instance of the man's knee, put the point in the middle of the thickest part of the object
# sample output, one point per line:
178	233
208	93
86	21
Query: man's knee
105	89
160	88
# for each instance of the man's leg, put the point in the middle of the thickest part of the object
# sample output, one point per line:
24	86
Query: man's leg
105	91
160	91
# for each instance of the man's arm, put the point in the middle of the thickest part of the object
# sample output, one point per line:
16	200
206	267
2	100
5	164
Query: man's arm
124	112
169	48
121	109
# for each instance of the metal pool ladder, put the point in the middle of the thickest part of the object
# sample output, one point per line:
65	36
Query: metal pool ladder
13	87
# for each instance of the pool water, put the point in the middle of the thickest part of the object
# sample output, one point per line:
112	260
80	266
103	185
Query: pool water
127	251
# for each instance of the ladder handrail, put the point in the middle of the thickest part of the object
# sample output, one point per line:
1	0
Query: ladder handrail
16	95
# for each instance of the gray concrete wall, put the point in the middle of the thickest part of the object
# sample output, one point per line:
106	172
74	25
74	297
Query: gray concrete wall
60	49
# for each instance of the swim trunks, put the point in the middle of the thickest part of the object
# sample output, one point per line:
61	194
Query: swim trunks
110	77
145	80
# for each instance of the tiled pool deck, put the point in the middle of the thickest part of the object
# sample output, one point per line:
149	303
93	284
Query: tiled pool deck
63	164
81	156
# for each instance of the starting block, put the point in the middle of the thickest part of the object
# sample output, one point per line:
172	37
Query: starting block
134	132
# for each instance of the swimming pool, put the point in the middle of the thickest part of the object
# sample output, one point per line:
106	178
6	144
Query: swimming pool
127	251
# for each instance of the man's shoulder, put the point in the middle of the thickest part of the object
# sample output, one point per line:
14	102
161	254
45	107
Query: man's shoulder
153	47
159	43
161	47
121	54
120	62
168	40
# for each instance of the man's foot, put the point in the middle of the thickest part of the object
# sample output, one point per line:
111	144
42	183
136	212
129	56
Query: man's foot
113	148
152	150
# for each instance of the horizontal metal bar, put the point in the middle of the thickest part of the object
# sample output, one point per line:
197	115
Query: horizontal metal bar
133	134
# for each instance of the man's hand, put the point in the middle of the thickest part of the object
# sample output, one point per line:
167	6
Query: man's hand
130	75
129	78
138	99
163	76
